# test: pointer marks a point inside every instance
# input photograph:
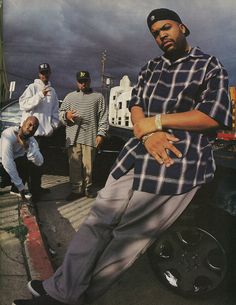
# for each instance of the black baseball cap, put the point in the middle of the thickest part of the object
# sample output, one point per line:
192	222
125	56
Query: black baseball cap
82	76
164	14
44	67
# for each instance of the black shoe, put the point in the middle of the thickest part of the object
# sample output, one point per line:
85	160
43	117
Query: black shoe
16	193
89	193
43	190
36	288
74	196
43	300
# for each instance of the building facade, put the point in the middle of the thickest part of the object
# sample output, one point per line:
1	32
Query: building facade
119	114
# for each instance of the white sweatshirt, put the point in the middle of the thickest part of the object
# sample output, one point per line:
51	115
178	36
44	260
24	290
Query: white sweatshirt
10	149
45	108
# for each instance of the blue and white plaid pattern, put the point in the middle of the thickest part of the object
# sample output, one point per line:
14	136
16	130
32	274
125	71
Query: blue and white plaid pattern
195	81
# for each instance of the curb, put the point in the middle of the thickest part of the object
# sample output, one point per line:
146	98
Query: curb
39	264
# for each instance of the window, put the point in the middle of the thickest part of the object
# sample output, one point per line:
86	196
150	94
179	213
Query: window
119	120
120	105
127	104
126	121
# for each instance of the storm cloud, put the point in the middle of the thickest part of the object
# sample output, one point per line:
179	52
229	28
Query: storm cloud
71	35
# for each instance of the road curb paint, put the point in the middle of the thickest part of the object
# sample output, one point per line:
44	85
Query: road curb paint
37	257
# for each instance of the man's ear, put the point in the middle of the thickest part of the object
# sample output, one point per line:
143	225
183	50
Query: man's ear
182	28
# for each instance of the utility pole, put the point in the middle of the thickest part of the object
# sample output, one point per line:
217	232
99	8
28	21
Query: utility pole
106	81
103	59
3	75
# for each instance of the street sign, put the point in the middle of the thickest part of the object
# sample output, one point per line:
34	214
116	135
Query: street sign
12	88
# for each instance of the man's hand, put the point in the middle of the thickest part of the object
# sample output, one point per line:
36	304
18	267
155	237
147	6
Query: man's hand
144	126
46	91
22	141
71	115
99	141
158	145
23	198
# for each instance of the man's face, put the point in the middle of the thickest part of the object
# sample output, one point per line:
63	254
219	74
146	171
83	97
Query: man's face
169	36
29	127
44	76
83	85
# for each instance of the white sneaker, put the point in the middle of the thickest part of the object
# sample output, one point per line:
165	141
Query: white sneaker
27	194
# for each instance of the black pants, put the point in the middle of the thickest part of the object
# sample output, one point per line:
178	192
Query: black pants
37	171
22	166
26	171
22	169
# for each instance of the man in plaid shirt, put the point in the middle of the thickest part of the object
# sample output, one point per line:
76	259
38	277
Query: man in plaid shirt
179	99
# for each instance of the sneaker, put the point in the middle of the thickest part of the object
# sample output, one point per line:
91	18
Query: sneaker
89	193
43	300
16	193
74	196
36	288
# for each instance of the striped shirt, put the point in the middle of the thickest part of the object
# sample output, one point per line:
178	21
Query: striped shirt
195	81
92	121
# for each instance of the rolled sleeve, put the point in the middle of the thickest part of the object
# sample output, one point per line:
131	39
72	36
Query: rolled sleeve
215	100
137	92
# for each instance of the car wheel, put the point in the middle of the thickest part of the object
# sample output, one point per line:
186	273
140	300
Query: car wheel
189	260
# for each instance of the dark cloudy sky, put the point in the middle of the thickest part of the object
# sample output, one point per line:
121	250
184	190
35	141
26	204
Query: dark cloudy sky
72	34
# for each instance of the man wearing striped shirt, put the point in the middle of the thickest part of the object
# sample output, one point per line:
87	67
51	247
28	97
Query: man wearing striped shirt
85	115
179	99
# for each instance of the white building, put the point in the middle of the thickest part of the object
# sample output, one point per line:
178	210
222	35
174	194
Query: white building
119	114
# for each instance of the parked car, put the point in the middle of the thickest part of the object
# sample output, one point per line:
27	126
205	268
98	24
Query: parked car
195	256
10	115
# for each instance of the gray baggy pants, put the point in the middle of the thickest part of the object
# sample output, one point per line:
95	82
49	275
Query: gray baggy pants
121	225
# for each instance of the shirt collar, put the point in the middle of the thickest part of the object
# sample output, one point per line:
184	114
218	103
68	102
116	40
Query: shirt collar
194	52
88	91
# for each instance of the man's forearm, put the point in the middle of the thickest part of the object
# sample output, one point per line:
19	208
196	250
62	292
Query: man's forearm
193	120
136	114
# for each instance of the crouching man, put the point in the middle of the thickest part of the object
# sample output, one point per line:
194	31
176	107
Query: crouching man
18	150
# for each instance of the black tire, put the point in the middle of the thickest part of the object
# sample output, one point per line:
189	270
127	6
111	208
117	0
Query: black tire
189	260
199	250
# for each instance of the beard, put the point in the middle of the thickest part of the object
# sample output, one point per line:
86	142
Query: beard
26	136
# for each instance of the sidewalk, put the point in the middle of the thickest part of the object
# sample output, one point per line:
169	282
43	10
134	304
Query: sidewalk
23	255
13	269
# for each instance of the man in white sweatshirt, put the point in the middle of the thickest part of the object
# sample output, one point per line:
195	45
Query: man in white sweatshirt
18	152
40	99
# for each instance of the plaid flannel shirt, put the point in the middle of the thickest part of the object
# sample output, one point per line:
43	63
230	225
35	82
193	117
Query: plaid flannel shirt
195	81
